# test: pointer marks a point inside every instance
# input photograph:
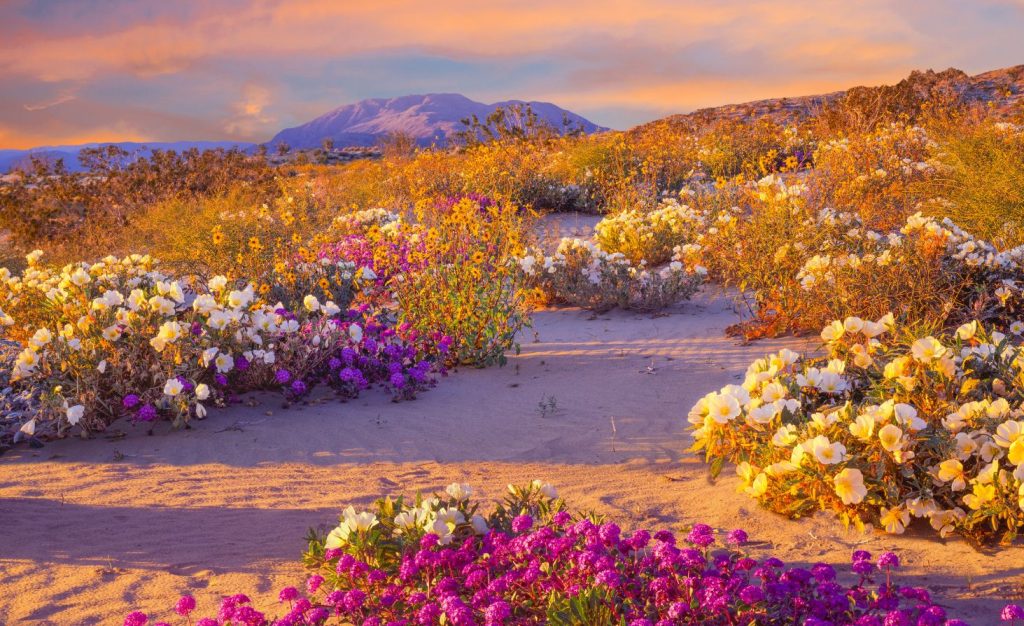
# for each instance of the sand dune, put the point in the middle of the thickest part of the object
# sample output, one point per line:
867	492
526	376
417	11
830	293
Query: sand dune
94	529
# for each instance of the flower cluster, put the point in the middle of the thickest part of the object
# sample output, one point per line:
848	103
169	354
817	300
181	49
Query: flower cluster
890	426
800	267
650	237
438	561
580	273
119	337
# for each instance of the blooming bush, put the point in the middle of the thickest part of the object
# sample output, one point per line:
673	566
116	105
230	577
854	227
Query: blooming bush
452	272
876	174
438	560
582	274
892	424
649	237
799	268
119	337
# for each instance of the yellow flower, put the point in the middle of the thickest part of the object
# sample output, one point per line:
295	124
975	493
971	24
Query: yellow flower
953	470
891	437
927	349
894	520
759	486
980	495
849	485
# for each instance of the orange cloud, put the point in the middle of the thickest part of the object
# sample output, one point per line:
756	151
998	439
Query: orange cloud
458	27
249	65
250	110
21	139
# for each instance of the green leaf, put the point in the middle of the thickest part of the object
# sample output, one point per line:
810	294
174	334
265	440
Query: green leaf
716	466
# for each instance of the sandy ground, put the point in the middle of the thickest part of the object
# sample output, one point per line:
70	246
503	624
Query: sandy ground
90	530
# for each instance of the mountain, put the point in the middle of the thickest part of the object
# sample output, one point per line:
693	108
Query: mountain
18	159
429	118
1003	89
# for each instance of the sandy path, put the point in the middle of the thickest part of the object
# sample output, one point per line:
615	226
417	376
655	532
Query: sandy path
90	530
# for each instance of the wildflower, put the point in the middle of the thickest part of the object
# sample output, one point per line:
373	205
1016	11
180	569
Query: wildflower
186	604
863	427
981	495
459	492
737	537
136	618
522	523
849	486
74	414
888	560
723	408
891	437
894	519
953	470
224	363
833	332
927	349
173	387
827	452
288	594
546	489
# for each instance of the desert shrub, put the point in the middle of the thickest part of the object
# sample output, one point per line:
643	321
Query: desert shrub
580	273
442	560
72	214
468	286
231	236
652	236
760	247
728	148
979	180
892	424
448	273
798	268
874	175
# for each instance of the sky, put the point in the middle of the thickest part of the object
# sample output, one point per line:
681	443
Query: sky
75	71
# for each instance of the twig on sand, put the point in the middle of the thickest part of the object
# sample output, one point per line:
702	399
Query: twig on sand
237	426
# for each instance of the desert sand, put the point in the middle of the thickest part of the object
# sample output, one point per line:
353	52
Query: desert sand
94	529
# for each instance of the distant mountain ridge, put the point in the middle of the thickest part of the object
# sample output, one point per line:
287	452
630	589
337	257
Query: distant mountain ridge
21	159
429	118
434	118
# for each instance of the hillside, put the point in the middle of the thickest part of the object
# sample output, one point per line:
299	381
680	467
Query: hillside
1004	88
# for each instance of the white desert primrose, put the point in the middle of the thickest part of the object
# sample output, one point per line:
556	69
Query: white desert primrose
913	433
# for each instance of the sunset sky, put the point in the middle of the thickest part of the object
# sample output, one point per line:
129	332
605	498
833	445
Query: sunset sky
104	70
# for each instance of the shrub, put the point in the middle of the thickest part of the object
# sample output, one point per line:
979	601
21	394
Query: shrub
467	287
875	174
892	424
799	269
649	237
582	274
979	180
